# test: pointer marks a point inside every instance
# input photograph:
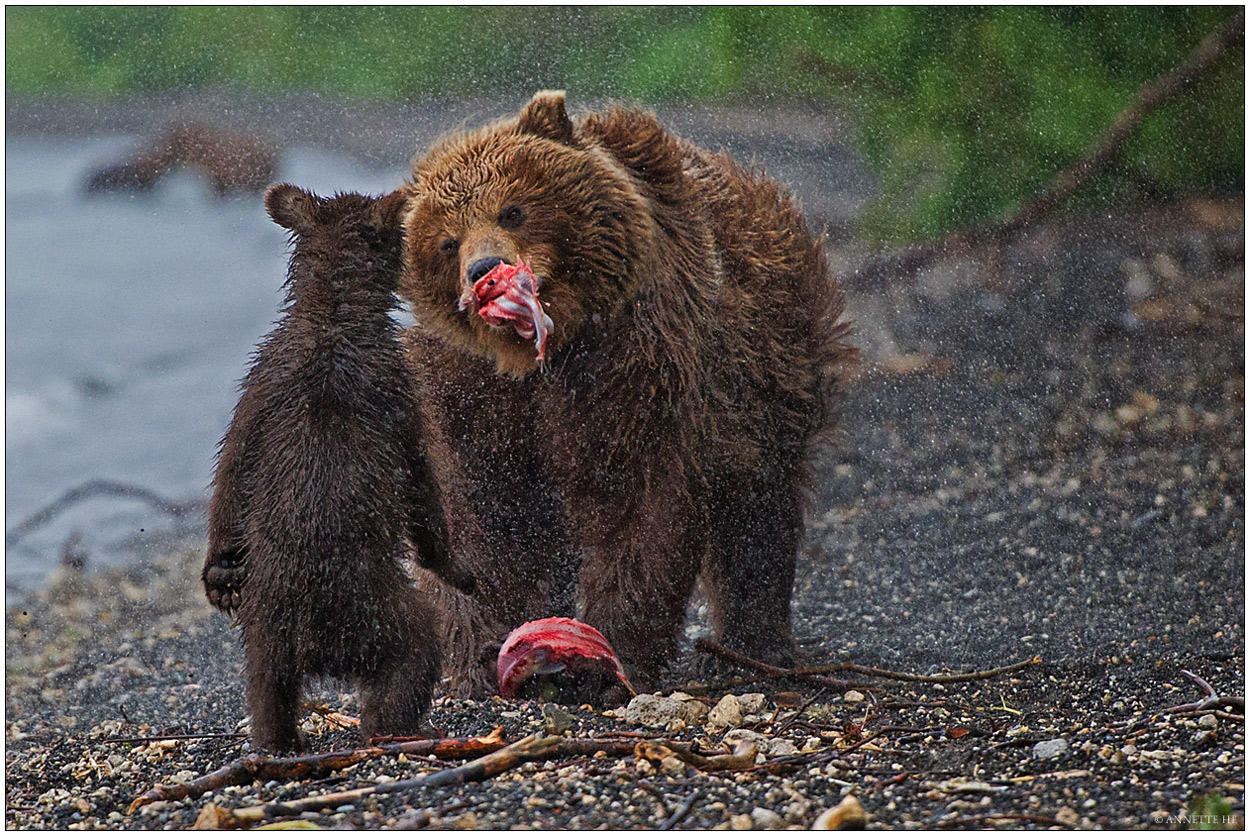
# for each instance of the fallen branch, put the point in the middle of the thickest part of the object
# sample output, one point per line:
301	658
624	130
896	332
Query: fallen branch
916	677
257	767
680	813
1213	702
535	746
1149	96
817	676
734	657
94	488
742	757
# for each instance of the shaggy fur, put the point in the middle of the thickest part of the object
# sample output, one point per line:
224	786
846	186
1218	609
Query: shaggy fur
320	480
696	350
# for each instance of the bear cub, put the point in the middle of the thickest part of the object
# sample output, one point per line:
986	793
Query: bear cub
321	480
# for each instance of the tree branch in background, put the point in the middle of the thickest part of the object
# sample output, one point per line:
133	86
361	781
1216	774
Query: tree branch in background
1151	94
94	488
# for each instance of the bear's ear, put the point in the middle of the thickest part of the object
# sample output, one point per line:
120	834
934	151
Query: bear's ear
387	211
290	207
545	116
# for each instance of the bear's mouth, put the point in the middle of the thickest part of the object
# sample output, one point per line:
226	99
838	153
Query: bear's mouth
508	294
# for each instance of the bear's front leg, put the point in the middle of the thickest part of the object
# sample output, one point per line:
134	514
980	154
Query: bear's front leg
644	546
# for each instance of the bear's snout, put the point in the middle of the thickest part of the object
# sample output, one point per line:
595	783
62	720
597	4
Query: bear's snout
480	268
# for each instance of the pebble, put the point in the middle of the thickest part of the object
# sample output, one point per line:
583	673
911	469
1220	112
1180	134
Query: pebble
765	819
741	821
1207	721
726	714
853	696
1050	748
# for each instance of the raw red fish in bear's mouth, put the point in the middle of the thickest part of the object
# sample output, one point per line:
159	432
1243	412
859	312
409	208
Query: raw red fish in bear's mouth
509	294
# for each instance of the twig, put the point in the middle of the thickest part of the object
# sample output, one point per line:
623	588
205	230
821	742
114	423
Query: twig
255	767
733	656
1149	96
1213	701
916	677
680	813
488	766
99	487
742	757
817	675
154	738
799	713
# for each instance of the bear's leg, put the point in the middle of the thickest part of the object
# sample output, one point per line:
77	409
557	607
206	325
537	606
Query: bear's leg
396	695
757	524
640	566
502	508
273	690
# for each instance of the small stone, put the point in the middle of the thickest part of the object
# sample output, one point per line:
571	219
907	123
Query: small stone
752	703
1067	817
644	768
852	696
1204	737
650	710
848	815
765	819
1050	748
726	714
673	766
1207	721
741	822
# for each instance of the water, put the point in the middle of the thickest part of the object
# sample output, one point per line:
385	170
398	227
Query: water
128	323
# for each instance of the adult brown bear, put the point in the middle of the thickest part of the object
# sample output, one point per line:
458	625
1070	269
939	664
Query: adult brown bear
695	345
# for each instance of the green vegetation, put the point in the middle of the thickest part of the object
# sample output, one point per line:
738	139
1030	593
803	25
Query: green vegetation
964	111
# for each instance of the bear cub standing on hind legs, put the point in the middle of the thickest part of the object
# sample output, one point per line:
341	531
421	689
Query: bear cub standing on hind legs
633	398
321	478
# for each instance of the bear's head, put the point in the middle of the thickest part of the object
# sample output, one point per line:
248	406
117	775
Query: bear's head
335	237
537	191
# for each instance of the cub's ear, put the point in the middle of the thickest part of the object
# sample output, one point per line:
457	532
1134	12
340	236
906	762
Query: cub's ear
545	116
291	207
387	211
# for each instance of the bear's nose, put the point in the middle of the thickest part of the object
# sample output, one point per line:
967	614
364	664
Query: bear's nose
481	267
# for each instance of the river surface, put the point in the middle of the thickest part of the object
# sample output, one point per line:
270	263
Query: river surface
128	324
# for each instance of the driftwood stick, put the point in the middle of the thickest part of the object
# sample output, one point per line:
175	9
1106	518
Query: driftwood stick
534	747
742	757
916	677
257	767
487	766
747	663
1149	96
680	813
94	488
1212	702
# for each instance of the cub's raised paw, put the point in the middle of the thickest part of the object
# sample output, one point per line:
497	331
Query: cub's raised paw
223	577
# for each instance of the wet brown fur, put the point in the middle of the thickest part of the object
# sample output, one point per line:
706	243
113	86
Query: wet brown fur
322	478
696	350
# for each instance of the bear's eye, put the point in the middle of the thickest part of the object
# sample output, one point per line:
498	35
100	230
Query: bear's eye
449	245
511	217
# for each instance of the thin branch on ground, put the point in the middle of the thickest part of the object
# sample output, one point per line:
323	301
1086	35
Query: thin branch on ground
258	767
1213	701
917	677
817	676
746	662
1149	96
100	487
680	813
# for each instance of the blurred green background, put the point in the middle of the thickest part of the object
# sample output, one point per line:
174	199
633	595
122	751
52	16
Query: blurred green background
963	112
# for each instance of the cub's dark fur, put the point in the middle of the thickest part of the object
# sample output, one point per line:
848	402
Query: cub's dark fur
321	479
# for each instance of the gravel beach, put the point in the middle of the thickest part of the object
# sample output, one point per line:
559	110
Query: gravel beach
1043	455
